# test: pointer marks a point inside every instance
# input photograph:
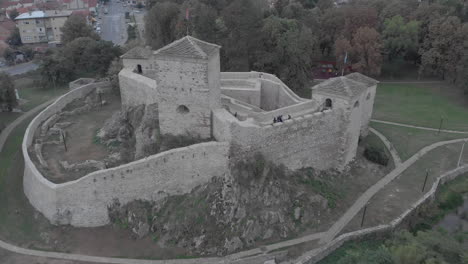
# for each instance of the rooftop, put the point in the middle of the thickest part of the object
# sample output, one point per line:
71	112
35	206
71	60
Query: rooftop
341	86
137	53
356	76
43	14
189	47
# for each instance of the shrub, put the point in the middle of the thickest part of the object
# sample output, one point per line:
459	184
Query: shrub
376	155
450	200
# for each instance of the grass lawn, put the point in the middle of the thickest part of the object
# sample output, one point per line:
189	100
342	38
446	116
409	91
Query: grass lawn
17	221
407	141
33	93
30	90
422	105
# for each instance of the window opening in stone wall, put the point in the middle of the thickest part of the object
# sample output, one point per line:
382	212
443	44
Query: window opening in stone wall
368	96
139	69
356	104
182	109
328	103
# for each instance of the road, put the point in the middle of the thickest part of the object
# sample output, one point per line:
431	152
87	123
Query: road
113	27
20	68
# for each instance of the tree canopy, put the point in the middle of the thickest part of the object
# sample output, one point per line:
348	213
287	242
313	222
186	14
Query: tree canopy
76	27
252	34
7	92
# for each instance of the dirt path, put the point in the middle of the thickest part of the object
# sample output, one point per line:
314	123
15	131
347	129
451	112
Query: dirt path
419	127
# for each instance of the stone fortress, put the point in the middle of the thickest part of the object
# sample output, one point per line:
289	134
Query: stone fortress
193	97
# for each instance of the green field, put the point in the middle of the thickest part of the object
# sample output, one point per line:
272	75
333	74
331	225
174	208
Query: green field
422	105
17	221
408	141
32	95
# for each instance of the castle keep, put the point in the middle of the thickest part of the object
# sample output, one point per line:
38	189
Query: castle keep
194	97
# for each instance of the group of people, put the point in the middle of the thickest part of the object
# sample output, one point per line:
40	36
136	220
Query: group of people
279	119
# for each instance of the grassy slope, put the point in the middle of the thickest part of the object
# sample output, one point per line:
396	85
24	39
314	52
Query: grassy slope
16	215
421	104
30	90
408	141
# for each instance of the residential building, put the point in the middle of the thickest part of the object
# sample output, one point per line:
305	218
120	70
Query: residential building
42	26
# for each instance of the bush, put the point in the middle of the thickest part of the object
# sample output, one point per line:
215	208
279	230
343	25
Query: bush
450	200
376	155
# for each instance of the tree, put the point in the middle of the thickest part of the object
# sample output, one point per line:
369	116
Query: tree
356	17
399	37
113	73
15	38
288	49
342	49
331	25
9	55
7	92
13	14
366	47
76	27
243	21
442	49
202	21
80	57
160	24
325	4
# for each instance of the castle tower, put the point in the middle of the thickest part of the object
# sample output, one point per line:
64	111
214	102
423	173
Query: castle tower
352	96
187	73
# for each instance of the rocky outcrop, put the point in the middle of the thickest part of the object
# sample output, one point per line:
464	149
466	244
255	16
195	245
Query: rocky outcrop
134	128
258	202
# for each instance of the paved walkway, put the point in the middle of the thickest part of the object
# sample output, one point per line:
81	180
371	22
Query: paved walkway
367	195
419	127
388	144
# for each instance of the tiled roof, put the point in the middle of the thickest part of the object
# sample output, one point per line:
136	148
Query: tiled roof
188	47
33	14
356	76
341	86
137	53
57	13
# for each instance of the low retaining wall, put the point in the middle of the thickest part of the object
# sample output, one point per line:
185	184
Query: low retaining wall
318	254
84	202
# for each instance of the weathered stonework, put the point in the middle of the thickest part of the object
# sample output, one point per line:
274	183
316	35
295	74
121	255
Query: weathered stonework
193	97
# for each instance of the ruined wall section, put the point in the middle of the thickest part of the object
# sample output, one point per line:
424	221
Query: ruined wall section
84	202
314	140
175	172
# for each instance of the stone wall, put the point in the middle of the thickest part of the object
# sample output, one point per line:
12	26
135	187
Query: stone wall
84	202
244	90
136	89
313	140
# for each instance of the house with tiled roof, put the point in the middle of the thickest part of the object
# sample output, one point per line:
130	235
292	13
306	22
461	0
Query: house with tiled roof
42	26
